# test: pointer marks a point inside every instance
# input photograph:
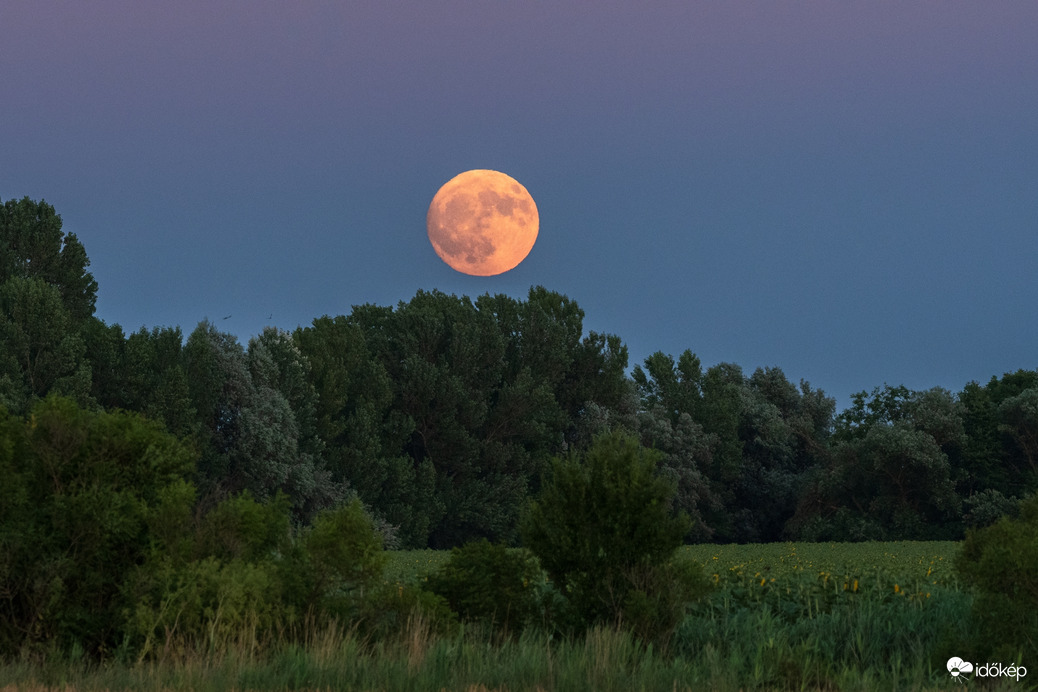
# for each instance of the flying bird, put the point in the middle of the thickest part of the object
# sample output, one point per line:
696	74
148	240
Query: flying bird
228	317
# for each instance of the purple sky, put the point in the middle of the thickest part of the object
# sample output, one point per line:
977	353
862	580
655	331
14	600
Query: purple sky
848	191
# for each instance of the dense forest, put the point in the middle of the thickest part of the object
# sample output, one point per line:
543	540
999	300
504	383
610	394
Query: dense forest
441	414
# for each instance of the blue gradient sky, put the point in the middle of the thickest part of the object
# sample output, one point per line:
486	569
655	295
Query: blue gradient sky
848	191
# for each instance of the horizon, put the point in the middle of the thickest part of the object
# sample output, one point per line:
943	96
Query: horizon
847	193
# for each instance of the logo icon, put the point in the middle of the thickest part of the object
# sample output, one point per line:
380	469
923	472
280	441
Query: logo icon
957	667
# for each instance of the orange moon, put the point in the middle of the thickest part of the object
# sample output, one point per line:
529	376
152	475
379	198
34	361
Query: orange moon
482	223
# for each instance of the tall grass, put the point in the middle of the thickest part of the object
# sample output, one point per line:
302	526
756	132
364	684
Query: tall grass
737	650
781	618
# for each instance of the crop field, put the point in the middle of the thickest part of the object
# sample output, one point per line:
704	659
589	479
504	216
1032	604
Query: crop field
836	616
826	574
908	570
792	581
808	615
790	614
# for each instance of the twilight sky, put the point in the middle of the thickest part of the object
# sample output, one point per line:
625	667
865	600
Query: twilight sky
848	191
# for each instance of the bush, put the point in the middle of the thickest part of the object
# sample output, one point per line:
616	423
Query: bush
208	581
205	605
655	603
490	583
237	575
389	609
334	563
241	527
604	533
80	488
999	562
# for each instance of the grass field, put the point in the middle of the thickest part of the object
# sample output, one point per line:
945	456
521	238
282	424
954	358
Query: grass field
780	616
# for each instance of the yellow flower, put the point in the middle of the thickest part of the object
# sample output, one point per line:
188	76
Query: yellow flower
855	586
762	581
897	589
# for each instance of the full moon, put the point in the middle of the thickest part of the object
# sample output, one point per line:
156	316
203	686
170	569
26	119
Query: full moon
482	223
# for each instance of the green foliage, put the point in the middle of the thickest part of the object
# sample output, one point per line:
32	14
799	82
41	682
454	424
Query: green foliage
1020	421
741	450
884	405
600	523
999	449
364	435
156	379
46	300
242	528
658	597
334	562
441	412
892	474
388	611
488	582
799	580
999	563
988	506
205	604
103	549
737	651
468	420
250	436
42	351
789	615
670	398
80	490
104	351
208	580
33	246
238	571
800	631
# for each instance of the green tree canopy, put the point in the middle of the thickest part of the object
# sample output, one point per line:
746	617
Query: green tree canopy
33	246
249	434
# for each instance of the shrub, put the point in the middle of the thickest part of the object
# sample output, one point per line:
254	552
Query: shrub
243	576
387	609
490	583
241	527
79	489
655	602
604	533
999	562
210	580
334	562
204	605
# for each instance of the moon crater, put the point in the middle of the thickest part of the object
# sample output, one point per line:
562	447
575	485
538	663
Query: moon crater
482	223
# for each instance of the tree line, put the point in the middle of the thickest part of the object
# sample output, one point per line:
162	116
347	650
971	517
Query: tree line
442	414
